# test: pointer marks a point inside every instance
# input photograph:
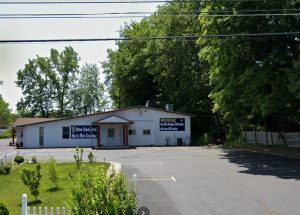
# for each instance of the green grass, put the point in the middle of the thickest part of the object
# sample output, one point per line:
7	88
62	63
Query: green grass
12	188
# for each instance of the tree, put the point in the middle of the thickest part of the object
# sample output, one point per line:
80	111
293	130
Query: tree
51	166
37	91
90	88
64	67
162	71
249	75
5	112
31	178
46	83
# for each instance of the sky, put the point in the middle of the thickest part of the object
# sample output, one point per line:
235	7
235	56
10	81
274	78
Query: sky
14	56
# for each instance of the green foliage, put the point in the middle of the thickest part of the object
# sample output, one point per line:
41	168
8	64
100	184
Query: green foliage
5	167
78	156
3	209
19	159
91	157
162	71
52	172
5	113
248	76
55	86
6	134
31	178
34	159
94	191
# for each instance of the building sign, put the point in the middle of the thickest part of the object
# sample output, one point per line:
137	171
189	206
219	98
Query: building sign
83	132
172	124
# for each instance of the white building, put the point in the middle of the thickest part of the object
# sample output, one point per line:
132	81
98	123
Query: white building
135	126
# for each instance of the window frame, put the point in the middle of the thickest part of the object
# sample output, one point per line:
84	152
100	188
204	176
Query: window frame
146	132
65	132
133	132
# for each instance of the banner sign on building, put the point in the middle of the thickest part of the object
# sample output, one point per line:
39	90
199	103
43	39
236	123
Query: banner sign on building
172	124
83	132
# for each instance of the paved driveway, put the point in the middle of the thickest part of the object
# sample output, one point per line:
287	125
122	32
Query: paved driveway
195	180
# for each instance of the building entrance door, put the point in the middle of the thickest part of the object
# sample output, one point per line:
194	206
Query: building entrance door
110	136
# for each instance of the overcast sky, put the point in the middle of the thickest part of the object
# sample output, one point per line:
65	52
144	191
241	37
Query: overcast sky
14	56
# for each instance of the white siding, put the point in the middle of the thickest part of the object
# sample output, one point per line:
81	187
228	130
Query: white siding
143	118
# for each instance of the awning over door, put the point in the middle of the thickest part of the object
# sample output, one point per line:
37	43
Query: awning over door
113	120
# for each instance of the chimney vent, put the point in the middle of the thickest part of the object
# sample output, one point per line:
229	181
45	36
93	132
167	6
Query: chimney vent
147	103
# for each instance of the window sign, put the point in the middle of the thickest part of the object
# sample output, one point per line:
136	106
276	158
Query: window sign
83	132
172	124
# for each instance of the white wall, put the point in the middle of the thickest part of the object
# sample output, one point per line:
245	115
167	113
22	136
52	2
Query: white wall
143	118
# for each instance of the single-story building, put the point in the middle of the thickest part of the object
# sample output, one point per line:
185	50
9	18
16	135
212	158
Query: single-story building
134	126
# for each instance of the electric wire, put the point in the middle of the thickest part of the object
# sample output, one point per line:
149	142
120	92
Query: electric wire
136	16
120	2
185	37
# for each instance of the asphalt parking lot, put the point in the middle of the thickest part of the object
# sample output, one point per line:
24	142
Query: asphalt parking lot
195	180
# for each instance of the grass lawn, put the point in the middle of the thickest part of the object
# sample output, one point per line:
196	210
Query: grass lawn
12	188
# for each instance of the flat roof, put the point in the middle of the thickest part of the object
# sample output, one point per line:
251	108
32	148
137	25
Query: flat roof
30	121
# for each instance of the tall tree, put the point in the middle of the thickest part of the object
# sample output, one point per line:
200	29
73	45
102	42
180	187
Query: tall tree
90	89
64	67
46	83
162	71
249	75
5	113
34	83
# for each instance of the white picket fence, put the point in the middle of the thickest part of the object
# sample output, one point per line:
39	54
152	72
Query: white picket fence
42	211
272	138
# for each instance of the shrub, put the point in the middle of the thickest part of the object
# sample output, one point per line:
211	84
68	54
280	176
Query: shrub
78	156
3	209
6	134
31	178
19	159
51	167
34	159
4	168
94	191
91	157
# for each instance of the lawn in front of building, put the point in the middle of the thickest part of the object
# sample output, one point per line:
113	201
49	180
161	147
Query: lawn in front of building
12	187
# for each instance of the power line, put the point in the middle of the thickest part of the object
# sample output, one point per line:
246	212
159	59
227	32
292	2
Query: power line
54	16
146	12
120	2
186	37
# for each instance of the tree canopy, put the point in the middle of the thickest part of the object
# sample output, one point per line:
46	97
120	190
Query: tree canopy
161	71
56	86
251	76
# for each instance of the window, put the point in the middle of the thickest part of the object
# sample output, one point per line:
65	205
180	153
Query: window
110	132
66	132
41	136
132	132
146	132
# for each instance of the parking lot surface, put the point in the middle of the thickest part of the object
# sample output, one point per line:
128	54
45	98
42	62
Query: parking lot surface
197	180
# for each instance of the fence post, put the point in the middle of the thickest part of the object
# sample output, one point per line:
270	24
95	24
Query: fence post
51	212
24	204
46	211
57	211
134	178
40	211
63	211
33	211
